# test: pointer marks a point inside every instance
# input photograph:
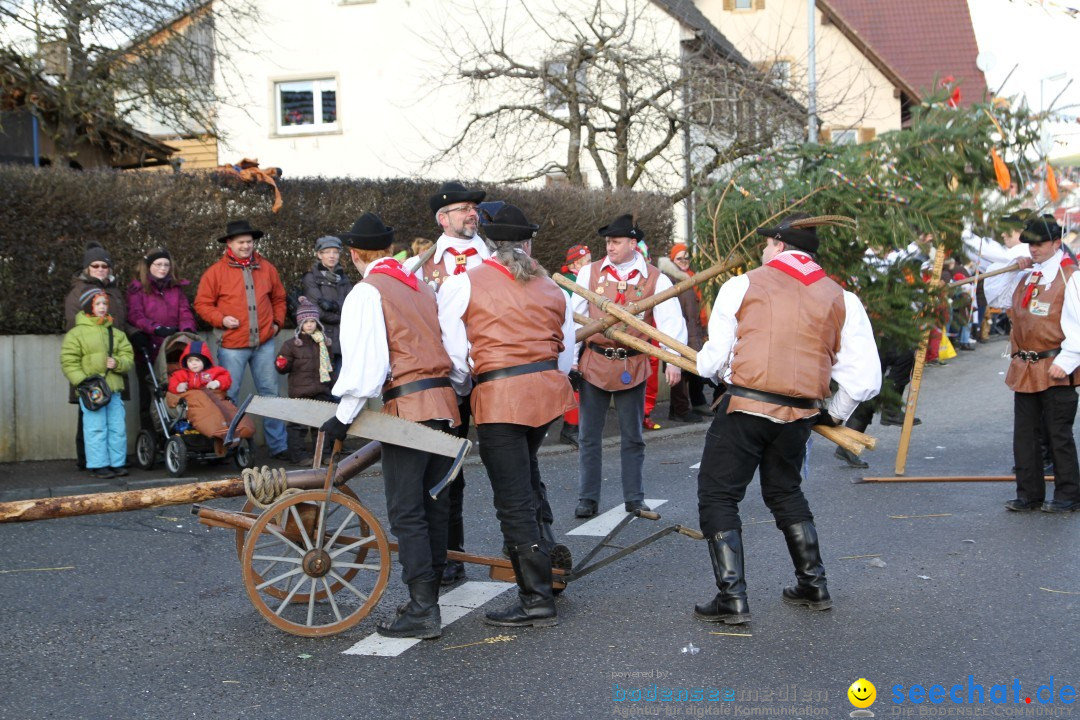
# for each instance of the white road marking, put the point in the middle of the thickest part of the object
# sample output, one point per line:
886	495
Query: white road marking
696	466
601	525
453	606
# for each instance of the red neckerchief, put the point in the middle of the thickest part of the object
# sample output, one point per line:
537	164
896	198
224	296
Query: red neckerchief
1066	261
460	257
1033	282
799	266
242	263
620	295
499	267
393	268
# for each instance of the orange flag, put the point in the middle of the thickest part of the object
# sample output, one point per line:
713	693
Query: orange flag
1001	171
1051	182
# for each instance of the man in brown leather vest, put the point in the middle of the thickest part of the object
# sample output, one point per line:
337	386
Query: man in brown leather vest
1044	308
515	325
777	336
392	346
458	249
610	371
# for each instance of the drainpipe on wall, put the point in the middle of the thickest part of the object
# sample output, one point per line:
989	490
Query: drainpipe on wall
34	134
811	73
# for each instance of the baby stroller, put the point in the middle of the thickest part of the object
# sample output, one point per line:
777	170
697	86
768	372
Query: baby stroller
172	434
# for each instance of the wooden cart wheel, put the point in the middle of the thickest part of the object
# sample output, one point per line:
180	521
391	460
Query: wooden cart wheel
315	562
357	556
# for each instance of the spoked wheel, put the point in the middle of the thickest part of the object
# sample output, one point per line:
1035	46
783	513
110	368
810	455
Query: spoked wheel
358	556
176	456
145	450
307	544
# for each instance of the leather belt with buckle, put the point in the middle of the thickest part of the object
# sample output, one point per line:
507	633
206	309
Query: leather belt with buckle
613	353
1033	356
414	387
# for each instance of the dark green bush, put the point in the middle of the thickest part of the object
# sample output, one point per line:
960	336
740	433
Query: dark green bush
48	215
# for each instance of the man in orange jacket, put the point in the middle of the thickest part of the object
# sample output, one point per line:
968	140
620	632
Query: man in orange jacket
242	296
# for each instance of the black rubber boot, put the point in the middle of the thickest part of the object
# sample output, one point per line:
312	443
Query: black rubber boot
418	618
729	606
560	555
568	434
812	591
536	601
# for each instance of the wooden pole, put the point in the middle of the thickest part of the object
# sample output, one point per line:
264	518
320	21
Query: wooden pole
101	503
976	278
851	440
596	326
613	308
946	479
916	376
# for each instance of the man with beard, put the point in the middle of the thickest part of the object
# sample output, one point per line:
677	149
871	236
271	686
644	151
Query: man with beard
457	250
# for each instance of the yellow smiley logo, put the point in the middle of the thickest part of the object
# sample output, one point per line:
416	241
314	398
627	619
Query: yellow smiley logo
862	693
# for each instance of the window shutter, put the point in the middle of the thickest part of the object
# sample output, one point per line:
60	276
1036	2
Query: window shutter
729	4
759	4
824	136
866	135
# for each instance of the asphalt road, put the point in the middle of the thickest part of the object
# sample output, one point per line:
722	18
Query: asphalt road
144	614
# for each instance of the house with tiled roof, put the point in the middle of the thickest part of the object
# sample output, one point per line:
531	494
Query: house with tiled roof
874	60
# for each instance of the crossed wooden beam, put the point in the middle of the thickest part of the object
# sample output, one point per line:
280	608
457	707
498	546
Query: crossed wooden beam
618	318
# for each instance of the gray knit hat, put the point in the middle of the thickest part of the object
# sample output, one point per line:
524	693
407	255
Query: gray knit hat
95	252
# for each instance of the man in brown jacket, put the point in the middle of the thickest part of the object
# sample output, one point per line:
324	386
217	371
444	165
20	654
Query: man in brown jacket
392	346
242	296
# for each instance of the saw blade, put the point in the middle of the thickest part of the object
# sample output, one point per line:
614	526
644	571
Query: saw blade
368	424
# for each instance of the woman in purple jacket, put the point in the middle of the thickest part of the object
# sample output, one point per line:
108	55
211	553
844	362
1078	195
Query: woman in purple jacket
157	308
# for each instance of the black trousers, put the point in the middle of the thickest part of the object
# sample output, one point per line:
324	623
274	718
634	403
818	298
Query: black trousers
896	365
735	446
1054	410
508	452
456	532
416	520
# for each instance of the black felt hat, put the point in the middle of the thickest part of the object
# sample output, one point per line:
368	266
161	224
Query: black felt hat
452	192
509	224
1012	221
1041	229
622	226
239	227
368	233
804	238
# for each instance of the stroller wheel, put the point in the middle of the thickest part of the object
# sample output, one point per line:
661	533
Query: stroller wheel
145	449
176	456
244	454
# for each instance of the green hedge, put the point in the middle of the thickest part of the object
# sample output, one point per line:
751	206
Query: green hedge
48	215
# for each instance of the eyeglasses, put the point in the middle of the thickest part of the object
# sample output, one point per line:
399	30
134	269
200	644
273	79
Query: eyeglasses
99	266
459	208
159	263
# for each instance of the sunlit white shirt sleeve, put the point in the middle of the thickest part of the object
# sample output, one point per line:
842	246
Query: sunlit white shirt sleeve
454	298
1069	358
569	327
668	314
714	358
579	304
857	370
364	350
984	250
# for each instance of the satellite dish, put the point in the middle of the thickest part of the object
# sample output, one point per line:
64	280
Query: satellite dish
986	61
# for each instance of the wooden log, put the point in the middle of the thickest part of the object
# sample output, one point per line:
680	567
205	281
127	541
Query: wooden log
851	440
613	308
101	503
976	278
945	478
596	326
916	377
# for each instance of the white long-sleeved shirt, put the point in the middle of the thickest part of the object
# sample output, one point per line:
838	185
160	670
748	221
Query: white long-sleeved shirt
667	315
365	353
985	251
999	293
449	264
857	369
999	289
453	302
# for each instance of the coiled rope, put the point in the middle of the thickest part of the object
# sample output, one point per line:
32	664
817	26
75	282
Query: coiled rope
264	486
